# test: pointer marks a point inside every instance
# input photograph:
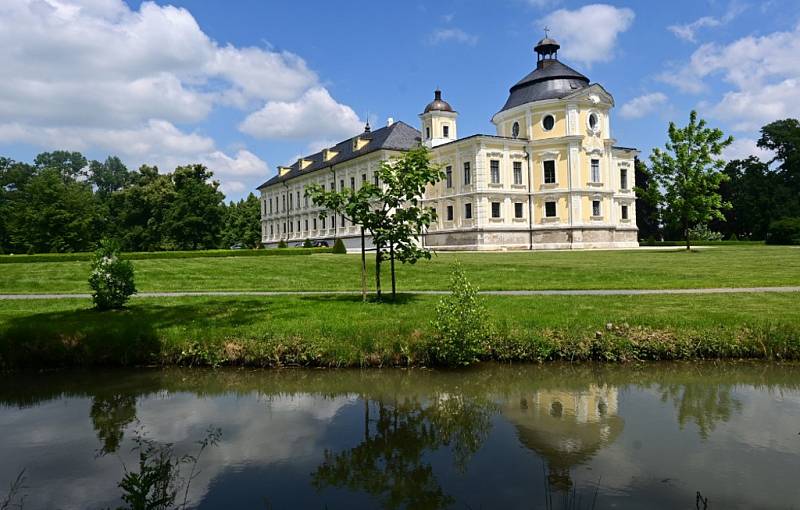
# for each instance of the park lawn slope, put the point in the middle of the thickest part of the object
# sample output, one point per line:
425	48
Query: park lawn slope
339	331
718	266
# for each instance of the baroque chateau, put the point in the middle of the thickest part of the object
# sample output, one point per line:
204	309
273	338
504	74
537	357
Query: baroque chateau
552	177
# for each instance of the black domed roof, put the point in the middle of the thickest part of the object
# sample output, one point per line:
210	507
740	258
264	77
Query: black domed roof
438	104
550	80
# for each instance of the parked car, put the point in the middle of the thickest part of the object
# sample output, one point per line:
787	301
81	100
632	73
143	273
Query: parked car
321	244
237	246
298	245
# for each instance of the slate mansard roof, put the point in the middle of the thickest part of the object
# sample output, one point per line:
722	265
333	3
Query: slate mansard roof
399	136
550	80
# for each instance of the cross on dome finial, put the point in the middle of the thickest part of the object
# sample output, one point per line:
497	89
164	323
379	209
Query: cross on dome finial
546	32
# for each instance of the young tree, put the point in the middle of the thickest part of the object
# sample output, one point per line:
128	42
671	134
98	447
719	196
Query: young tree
689	173
391	212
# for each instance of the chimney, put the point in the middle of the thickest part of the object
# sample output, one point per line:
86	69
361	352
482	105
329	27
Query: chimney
389	121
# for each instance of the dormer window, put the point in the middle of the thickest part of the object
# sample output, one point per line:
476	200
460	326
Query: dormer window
446	131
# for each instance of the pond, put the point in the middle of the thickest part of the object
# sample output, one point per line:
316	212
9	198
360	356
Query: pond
553	436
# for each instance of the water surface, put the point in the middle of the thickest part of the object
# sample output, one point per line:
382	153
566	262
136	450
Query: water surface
647	436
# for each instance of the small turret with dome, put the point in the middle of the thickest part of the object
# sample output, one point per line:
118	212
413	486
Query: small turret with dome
438	122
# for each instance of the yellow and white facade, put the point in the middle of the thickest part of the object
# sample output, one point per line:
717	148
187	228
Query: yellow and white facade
551	177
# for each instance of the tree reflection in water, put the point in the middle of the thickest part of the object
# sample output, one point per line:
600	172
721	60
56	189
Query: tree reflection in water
110	415
389	463
705	404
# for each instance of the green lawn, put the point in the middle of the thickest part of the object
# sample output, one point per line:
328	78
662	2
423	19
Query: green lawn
342	331
723	266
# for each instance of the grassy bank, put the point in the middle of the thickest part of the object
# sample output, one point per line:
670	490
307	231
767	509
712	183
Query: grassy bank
341	331
723	266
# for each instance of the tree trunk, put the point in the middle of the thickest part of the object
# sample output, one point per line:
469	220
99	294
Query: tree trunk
686	234
378	270
391	263
363	267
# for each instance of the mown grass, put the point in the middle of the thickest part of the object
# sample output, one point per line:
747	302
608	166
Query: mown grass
341	331
723	266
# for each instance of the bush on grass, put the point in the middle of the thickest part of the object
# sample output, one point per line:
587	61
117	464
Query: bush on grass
461	327
338	247
111	278
282	244
784	231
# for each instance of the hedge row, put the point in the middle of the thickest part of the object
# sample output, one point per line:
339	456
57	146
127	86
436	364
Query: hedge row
71	257
649	242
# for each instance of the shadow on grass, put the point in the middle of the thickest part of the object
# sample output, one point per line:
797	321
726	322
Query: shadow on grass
401	299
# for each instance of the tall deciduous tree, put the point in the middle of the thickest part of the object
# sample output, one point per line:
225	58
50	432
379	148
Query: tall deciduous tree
391	212
194	219
689	172
142	209
242	223
648	198
783	138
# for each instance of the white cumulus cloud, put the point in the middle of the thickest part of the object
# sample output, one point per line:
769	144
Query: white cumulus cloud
688	31
443	35
643	105
589	34
315	113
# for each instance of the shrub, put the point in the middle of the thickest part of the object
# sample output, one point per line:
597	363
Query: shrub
338	247
308	244
282	244
111	278
703	233
784	231
461	326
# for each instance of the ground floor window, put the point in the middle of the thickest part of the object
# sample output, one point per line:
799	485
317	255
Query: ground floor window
323	222
495	209
550	209
306	224
596	208
449	213
271	231
518	210
624	212
315	224
468	211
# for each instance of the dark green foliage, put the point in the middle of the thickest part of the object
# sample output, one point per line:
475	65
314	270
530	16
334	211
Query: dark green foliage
308	244
194	218
648	212
785	231
339	248
242	223
111	278
282	244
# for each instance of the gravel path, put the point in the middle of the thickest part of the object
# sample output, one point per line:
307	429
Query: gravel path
598	292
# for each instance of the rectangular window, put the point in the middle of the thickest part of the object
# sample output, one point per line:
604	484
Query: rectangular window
333	185
623	178
449	213
290	202
449	176
624	212
306	224
596	208
517	172
341	184
352	183
298	225
550	209
549	172
270	205
305	198
467	174
427	133
495	209
298	200
468	211
446	131
323	188
341	220
323	222
494	166
377	181
518	210
595	170
363	179
284	227
315	224
271	231
283	197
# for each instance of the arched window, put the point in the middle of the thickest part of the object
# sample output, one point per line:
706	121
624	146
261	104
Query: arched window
515	130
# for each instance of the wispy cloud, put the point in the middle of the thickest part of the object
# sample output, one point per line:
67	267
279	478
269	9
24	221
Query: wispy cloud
688	31
643	105
454	35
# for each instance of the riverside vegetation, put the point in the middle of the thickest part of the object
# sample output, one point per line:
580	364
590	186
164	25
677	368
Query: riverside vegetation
339	330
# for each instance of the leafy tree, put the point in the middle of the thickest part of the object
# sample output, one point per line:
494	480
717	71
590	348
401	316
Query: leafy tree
194	218
110	176
689	173
392	212
783	138
243	223
648	197
70	165
142	209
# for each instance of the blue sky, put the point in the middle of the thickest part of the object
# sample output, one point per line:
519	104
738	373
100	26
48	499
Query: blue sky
246	85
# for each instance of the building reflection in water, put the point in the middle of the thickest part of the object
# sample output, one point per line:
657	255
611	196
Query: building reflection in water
566	427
